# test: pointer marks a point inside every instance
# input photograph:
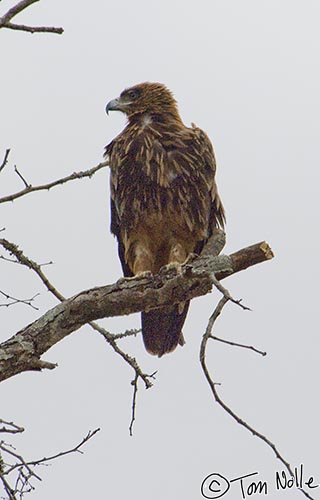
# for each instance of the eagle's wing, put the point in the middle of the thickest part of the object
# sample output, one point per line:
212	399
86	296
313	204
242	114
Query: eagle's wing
217	216
115	229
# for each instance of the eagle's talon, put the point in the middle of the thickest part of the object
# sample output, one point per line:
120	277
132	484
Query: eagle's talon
143	274
175	266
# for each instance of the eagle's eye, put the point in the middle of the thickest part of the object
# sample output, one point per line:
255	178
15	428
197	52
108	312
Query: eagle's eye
132	94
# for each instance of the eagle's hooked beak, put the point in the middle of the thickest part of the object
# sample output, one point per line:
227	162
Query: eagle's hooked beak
113	105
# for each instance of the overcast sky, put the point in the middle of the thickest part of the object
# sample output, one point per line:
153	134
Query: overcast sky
247	72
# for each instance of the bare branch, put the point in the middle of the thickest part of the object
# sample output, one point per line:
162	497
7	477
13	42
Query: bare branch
32	29
15	466
5	21
19	7
217	398
8	489
5	159
227	294
21	461
111	339
127	333
250	347
133	407
31	264
27	186
131	361
31	189
14	300
23	351
10	427
75	449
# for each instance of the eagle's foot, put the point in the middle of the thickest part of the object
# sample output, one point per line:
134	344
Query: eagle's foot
143	274
191	257
175	266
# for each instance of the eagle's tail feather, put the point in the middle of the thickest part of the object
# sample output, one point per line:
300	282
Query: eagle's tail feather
161	328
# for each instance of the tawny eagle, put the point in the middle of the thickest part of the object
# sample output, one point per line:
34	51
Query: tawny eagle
164	198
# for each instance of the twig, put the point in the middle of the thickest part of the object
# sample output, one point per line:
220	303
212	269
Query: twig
227	295
236	344
127	333
75	449
10	492
25	469
75	175
32	29
5	21
10	427
131	361
16	9
14	300
5	159
21	460
25	261
27	186
135	382
133	407
217	398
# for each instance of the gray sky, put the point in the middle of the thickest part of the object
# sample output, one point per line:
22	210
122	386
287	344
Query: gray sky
248	73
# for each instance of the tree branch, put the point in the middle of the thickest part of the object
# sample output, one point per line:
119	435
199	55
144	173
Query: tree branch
23	351
5	159
22	472
216	313
75	175
5	21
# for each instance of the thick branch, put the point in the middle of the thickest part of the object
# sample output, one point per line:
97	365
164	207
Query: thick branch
23	351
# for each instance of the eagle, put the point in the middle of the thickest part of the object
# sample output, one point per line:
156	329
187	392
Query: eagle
164	198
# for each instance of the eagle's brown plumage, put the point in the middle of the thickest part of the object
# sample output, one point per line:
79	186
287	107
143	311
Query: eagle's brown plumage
164	199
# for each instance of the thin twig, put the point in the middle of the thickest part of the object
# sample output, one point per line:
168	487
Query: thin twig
14	300
133	407
27	185
227	294
75	175
75	449
32	29
22	462
127	333
16	9
131	361
25	469
236	344
10	427
10	492
217	398
5	21
5	159
25	261
135	382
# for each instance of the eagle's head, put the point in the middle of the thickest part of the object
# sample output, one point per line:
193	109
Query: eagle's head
144	98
